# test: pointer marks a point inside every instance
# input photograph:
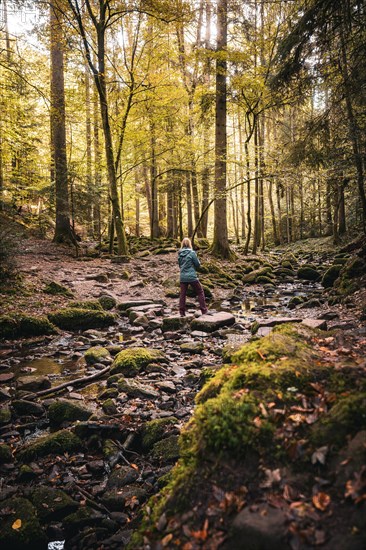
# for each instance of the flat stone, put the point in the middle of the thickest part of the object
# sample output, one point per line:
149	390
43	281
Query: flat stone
264	331
167	386
199	334
33	383
175	322
329	315
273	321
123	306
319	324
6	377
210	323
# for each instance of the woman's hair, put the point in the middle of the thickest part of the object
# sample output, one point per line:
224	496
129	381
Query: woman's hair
186	243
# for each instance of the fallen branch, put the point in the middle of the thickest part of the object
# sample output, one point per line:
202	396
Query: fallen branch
85	380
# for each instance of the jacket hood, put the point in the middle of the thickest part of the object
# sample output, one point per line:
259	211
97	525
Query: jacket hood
184	252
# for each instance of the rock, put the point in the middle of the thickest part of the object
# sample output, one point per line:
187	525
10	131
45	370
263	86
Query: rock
81	319
52	504
156	430
54	444
210	323
264	529
329	315
57	289
175	322
192	347
263	331
6	377
331	275
310	304
121	477
167	449
6	455
87	304
85	516
130	362
109	407
308	273
5	415
199	334
24	407
250	277
120	259
107	302
272	322
63	411
135	389
295	301
108	393
26	473
166	386
19	325
141	321
116	500
319	324
95	354
351	459
124	306
30	535
33	383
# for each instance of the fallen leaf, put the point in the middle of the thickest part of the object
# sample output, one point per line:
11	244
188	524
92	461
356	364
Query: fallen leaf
321	501
272	476
17	524
165	541
320	455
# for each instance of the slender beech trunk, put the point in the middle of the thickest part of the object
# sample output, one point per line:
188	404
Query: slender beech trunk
189	204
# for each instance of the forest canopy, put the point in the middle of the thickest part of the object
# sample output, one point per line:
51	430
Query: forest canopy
235	121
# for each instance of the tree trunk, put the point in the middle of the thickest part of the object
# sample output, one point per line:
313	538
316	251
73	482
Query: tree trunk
154	228
220	245
189	204
63	232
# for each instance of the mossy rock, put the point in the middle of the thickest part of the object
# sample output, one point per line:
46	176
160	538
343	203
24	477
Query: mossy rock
5	415
345	418
192	347
167	449
107	302
81	319
286	264
84	517
26	473
108	393
356	267
285	272
52	504
112	381
250	278
109	407
110	448
308	273
57	289
263	280
95	355
62	411
6	455
174	323
30	535
207	291
18	326
54	444
23	407
130	362
87	304
155	430
295	301
331	275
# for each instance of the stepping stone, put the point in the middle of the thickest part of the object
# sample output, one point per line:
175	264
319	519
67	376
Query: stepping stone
273	321
210	323
134	303
263	331
320	324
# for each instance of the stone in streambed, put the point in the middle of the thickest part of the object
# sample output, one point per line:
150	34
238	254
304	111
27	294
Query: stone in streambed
212	322
308	273
85	516
24	408
116	500
175	322
81	319
6	455
166	449
192	347
156	430
33	383
319	324
95	354
5	415
130	362
19	325
109	407
63	411
52	504
135	389
29	535
121	477
54	444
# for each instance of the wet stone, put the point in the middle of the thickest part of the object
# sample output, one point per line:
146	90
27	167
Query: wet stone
33	383
319	324
121	477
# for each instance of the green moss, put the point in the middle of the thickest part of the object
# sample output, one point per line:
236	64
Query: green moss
95	354
331	275
85	516
107	302
155	430
108	393
58	289
62	410
54	444
295	301
109	407
346	418
110	448
262	279
5	415
87	304
167	449
6	455
19	325
130	362
52	504
30	535
81	319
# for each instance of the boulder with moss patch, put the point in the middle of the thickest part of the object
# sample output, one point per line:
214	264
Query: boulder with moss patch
28	534
155	430
6	455
308	273
81	319
63	411
331	275
52	504
57	443
55	288
95	355
87	304
109	407
5	415
167	449
107	302
130	362
19	325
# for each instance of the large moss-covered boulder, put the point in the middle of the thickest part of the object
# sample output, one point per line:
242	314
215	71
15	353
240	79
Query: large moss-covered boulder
95	355
20	528
108	302
19	325
87	304
346	418
308	273
6	455
331	275
54	444
81	319
130	362
52	504
63	410
251	277
84	517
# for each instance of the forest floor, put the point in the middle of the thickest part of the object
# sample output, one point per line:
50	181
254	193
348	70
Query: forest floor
114	504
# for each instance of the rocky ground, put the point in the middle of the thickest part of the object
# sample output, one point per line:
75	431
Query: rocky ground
80	464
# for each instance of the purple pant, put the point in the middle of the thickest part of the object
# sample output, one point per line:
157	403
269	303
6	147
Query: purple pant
197	287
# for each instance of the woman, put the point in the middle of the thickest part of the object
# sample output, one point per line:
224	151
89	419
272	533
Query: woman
188	263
